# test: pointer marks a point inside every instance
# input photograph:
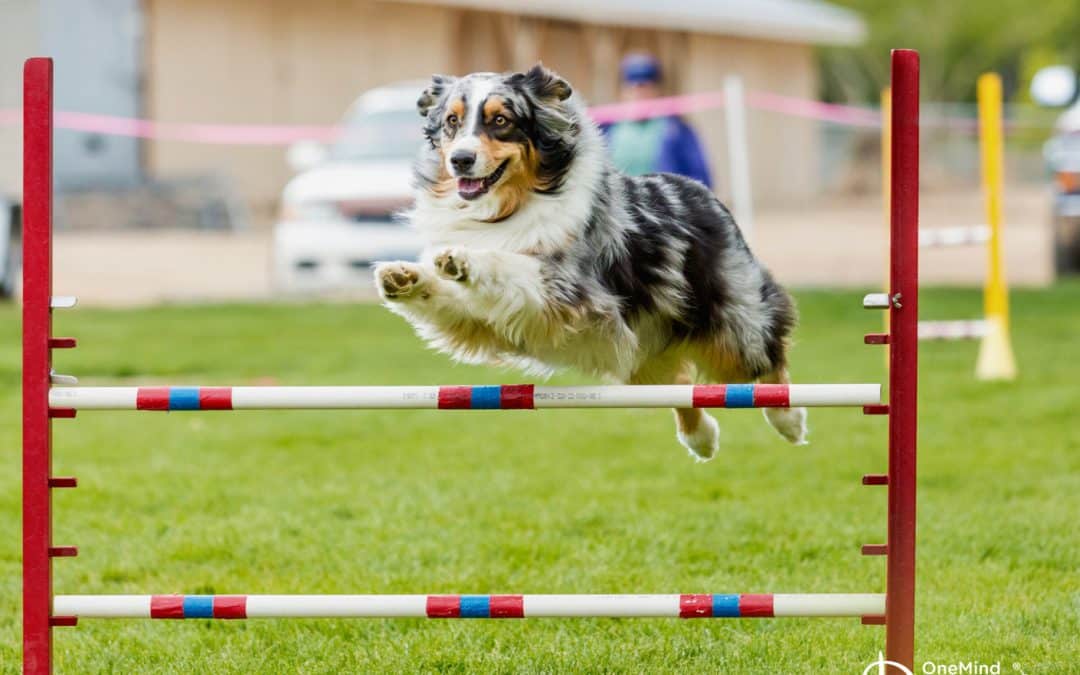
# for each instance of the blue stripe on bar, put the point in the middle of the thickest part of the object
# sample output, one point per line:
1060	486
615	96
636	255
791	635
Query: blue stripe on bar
198	607
183	398
725	606
475	606
739	396
486	397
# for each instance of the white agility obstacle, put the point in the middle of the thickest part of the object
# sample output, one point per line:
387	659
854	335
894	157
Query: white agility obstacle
995	360
43	402
705	605
479	397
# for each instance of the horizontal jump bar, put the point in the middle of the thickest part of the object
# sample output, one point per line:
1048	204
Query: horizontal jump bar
687	606
954	236
483	397
970	329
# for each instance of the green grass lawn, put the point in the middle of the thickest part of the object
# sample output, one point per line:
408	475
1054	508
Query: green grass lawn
546	502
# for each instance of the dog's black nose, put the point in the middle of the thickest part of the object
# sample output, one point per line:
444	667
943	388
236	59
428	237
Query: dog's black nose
463	160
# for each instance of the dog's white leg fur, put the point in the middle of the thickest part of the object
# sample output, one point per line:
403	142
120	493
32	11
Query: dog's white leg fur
788	422
704	441
695	429
444	313
506	283
505	289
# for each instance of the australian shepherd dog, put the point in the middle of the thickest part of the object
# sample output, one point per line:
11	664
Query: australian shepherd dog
541	255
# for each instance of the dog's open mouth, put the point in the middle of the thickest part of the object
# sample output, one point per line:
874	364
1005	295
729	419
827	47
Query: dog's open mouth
471	188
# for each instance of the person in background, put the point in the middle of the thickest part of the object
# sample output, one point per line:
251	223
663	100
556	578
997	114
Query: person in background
657	144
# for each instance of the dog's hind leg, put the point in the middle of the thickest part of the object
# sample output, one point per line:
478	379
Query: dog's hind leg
696	430
789	422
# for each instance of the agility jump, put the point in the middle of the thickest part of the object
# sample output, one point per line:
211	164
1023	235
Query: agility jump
995	360
42	402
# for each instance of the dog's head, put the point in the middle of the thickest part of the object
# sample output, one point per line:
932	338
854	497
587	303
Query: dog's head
494	140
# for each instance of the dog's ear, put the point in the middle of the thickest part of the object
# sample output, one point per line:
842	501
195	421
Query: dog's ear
434	92
546	84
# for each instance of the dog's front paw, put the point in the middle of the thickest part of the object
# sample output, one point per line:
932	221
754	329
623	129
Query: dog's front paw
398	280
453	264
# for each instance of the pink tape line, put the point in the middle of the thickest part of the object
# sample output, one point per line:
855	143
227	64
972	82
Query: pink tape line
264	134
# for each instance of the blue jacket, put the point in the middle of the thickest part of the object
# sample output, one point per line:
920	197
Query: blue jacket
678	152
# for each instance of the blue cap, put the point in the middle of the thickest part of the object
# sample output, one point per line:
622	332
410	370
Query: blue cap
640	69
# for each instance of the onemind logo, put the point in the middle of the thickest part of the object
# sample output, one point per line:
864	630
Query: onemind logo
884	666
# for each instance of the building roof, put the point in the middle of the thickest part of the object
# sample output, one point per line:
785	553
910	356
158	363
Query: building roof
800	21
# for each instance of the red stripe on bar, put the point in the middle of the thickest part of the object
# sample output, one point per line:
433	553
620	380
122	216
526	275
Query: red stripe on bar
695	606
771	396
455	398
152	398
756	605
506	606
516	397
230	606
215	398
166	607
709	395
444	606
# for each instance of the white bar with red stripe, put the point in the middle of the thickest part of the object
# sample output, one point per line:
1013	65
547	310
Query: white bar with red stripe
535	606
428	397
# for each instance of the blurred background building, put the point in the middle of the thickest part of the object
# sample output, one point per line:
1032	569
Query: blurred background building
286	62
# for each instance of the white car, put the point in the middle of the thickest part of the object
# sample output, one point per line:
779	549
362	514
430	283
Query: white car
337	215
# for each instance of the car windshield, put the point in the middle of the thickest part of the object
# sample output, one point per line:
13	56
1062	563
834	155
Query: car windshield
383	134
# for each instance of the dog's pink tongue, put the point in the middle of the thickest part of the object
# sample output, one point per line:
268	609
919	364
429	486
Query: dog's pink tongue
470	185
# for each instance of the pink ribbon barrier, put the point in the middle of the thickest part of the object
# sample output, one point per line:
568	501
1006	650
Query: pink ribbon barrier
283	134
233	134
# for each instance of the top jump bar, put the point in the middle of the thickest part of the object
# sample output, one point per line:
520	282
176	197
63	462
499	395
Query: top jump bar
482	397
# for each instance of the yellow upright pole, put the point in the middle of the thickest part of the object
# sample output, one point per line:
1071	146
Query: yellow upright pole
995	360
886	191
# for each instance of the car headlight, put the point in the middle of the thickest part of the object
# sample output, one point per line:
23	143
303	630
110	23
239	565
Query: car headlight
310	211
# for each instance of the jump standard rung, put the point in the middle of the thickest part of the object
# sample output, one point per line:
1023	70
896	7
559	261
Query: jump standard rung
63	343
483	397
686	606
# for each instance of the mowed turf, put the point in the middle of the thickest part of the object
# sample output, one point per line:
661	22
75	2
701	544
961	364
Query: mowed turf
554	501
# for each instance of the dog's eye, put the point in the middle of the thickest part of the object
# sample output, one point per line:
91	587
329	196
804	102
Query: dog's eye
500	121
452	121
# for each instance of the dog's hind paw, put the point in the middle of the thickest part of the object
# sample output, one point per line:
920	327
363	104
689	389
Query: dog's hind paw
452	264
704	442
789	423
397	280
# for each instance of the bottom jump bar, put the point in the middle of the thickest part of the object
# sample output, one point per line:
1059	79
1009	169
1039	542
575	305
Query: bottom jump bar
467	606
483	397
